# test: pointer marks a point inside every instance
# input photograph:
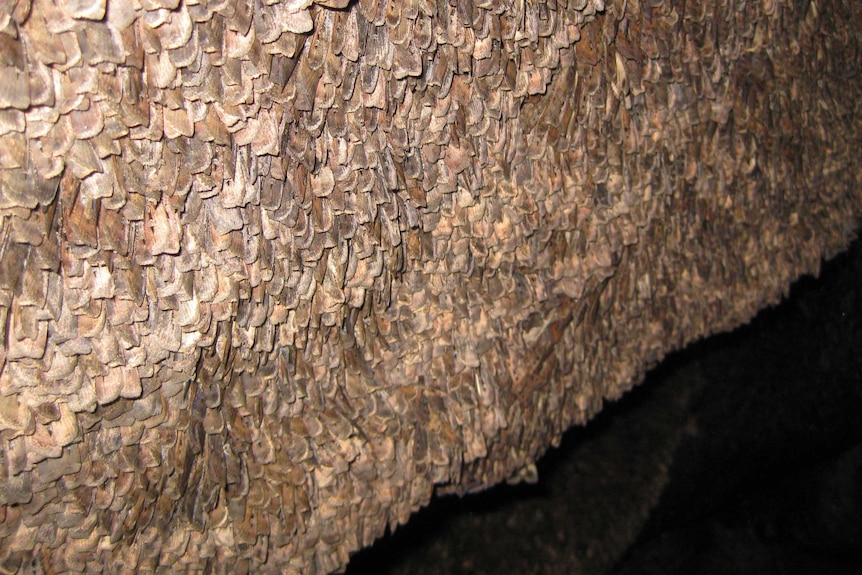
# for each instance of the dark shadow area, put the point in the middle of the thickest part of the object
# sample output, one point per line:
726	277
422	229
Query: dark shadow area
739	454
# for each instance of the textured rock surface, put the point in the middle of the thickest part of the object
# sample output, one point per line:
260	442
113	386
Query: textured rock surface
740	454
269	273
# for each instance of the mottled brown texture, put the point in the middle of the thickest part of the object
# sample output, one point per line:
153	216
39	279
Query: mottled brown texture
272	273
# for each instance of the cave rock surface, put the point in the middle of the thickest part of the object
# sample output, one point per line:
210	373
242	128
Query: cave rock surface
271	273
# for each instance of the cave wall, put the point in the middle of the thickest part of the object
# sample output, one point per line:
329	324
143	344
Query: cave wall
272	274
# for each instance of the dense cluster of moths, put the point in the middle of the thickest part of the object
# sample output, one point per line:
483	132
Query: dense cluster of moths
271	271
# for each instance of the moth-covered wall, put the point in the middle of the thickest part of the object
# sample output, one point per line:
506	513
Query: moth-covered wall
272	273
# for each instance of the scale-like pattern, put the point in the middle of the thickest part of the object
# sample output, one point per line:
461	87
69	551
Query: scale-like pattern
270	272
